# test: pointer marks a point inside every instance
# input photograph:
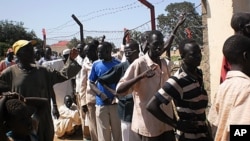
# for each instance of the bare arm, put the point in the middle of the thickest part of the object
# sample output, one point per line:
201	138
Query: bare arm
154	108
168	43
97	91
123	87
109	89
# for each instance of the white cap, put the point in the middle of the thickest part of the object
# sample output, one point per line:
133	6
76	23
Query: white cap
66	51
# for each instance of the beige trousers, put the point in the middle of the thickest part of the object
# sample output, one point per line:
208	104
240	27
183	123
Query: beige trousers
108	122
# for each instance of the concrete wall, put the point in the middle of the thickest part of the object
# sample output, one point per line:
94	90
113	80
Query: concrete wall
241	5
219	13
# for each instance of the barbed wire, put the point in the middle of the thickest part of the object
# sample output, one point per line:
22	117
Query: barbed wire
110	11
116	36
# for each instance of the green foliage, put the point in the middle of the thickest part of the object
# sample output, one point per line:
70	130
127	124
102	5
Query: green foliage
73	43
136	35
12	31
167	22
3	48
89	39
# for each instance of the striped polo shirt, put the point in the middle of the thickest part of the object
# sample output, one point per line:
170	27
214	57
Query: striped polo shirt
190	99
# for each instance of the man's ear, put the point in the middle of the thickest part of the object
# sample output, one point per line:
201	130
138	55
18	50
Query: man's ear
245	55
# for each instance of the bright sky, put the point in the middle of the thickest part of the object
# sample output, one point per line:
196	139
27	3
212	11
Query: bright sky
95	15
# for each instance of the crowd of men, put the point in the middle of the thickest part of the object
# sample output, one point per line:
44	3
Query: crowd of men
131	98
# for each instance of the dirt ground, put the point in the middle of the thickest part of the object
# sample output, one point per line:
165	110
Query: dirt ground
76	137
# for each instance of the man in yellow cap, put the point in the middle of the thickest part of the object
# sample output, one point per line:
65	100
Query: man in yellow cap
31	80
22	43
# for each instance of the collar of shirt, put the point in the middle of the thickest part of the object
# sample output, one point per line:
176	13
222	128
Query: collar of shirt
231	74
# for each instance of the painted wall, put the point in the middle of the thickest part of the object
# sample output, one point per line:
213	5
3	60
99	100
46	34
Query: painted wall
219	13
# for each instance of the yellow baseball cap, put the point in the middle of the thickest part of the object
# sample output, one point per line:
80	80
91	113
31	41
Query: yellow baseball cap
22	43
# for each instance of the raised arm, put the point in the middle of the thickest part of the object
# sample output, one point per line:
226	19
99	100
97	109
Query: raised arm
71	67
168	43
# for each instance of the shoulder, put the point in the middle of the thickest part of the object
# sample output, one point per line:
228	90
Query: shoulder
121	65
178	75
97	62
9	69
115	60
139	60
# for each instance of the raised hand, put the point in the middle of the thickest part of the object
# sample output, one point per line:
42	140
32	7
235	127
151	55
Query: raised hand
181	18
126	36
74	53
103	38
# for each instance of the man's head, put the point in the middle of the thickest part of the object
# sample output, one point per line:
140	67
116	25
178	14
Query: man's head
10	54
236	50
104	51
91	51
81	51
37	53
23	50
190	52
47	52
155	43
131	50
95	42
66	53
144	41
18	117
68	101
240	22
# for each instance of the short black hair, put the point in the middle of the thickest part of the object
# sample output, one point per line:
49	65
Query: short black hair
95	42
69	96
133	44
239	20
16	107
182	45
233	48
108	46
154	32
144	36
79	46
91	46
